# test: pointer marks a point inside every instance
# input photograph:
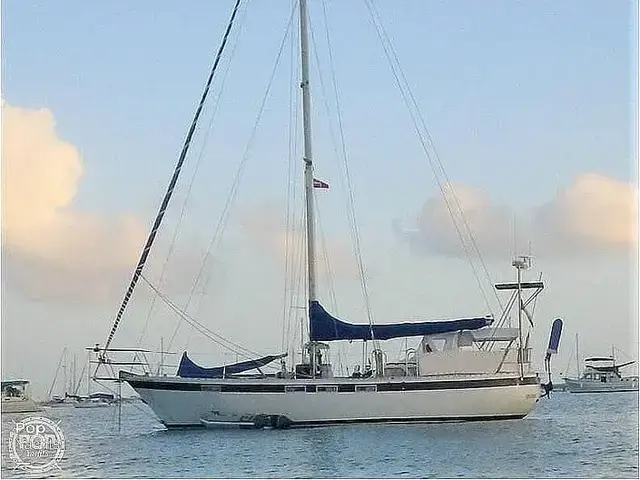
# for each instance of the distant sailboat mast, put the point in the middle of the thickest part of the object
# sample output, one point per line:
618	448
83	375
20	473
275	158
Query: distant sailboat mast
308	169
61	363
577	357
75	373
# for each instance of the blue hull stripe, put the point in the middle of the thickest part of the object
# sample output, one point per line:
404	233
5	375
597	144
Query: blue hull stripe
342	387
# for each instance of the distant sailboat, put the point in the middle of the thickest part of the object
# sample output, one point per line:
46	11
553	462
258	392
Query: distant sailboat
62	399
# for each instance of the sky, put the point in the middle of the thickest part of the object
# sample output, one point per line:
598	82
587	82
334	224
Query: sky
531	106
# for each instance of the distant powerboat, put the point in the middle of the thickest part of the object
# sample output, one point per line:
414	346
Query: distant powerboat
15	397
602	375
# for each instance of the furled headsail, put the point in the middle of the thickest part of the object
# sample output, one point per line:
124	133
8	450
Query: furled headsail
189	369
325	327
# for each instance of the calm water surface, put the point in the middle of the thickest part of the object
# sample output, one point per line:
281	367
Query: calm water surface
570	435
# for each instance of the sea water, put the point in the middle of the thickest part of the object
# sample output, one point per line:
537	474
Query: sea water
568	435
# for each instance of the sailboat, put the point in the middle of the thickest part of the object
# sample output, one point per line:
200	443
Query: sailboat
63	398
462	369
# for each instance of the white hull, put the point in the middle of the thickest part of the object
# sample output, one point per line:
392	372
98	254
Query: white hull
180	402
19	405
596	386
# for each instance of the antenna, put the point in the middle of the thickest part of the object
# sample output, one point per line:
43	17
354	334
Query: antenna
521	262
515	238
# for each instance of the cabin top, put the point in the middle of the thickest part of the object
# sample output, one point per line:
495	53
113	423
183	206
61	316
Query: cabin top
14	383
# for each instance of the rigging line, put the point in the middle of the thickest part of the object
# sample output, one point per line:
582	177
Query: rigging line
299	292
393	53
436	155
297	200
195	172
330	279
299	261
299	279
294	259
293	254
222	222
428	155
79	383
323	239
291	292
235	185
535	300
624	354
241	23
233	191
506	312
290	194
146	411
172	184
295	248
448	181
355	234
327	262
217	338
296	266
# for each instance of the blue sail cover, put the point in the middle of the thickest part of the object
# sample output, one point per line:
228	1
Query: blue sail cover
324	327
188	369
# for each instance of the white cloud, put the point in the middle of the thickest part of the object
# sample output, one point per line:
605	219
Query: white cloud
594	214
51	249
435	229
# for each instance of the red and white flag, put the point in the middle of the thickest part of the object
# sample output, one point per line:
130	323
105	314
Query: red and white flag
319	184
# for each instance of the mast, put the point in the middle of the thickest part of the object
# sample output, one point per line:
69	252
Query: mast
64	372
88	373
577	357
55	375
308	171
301	340
75	373
160	367
308	158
